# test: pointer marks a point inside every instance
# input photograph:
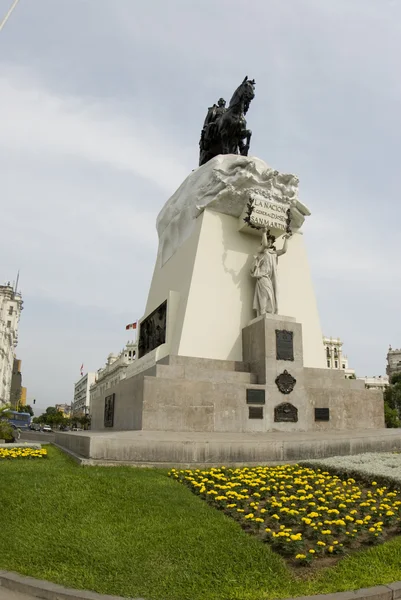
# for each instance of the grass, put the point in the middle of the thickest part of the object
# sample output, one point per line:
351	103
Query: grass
136	532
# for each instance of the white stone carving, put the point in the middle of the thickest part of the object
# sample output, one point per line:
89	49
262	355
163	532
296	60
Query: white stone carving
264	270
224	184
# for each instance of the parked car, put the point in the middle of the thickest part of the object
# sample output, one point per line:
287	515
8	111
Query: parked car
46	428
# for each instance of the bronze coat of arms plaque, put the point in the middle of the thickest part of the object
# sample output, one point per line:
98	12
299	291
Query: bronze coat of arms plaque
285	382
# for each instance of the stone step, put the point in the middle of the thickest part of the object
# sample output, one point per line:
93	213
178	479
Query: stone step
193	373
206	363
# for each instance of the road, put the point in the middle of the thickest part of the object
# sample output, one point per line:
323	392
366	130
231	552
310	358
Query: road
36	436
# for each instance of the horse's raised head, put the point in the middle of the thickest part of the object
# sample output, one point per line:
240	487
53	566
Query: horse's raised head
244	93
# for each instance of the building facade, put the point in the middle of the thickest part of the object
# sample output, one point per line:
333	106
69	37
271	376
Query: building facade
18	391
377	382
393	361
10	312
80	405
65	409
113	371
335	359
22	400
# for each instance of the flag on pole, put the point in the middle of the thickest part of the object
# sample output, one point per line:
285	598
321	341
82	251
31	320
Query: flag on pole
131	326
82	370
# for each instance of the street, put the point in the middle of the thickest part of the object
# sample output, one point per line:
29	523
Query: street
37	436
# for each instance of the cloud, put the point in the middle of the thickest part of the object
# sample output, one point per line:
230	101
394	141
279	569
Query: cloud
38	122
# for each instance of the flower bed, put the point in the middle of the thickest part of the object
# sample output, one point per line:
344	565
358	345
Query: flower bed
303	513
22	453
385	467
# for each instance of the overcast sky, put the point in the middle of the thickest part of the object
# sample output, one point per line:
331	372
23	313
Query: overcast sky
101	105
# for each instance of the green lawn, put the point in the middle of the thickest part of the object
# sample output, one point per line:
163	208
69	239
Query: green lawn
136	532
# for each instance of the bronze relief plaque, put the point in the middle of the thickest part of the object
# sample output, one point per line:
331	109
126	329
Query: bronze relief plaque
109	410
152	332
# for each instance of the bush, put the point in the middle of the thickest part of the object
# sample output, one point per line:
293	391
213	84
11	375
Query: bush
6	431
391	416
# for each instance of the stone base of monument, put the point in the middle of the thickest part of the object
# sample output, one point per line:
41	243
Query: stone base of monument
266	408
195	449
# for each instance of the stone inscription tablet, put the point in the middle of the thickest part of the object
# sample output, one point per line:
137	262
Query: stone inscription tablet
255	397
109	410
256	412
284	344
322	414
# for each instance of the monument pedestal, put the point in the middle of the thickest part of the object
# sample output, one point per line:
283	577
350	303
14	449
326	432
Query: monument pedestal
206	366
205	256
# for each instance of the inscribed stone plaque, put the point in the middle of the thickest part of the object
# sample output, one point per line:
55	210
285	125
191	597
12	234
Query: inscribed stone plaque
255	412
322	414
109	410
152	332
255	397
284	344
285	412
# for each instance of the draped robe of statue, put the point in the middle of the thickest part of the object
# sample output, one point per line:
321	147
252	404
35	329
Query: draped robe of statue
264	269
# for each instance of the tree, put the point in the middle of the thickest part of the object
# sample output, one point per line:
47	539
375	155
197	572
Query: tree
391	416
51	410
55	418
392	401
85	421
26	409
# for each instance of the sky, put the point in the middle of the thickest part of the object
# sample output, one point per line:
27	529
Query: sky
101	106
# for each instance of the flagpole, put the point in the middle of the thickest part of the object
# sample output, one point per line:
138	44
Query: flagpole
8	15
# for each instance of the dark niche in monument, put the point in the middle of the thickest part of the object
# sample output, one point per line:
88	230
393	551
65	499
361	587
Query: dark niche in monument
322	414
255	396
256	412
109	410
284	344
285	413
285	382
152	331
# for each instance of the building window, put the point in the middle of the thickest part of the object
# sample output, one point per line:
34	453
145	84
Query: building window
328	352
8	323
328	364
335	353
10	310
129	353
336	364
343	366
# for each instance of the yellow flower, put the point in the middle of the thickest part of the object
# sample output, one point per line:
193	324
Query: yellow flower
300	556
312	551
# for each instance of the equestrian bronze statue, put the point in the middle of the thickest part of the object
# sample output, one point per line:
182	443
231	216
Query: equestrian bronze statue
224	130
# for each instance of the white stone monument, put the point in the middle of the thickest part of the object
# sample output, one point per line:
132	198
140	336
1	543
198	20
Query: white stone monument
208	236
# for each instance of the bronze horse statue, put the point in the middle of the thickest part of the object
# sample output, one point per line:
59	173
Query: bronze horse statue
224	130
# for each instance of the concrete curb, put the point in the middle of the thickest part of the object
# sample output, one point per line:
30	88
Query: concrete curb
39	588
46	590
